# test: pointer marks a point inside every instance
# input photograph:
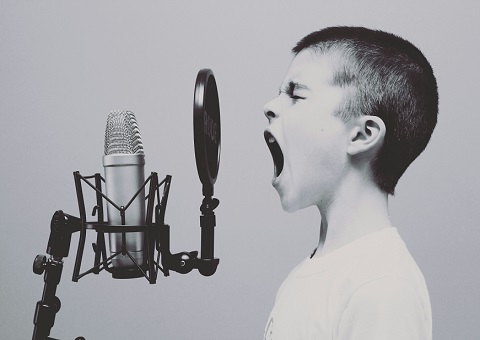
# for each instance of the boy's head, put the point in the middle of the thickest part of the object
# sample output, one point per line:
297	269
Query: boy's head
380	76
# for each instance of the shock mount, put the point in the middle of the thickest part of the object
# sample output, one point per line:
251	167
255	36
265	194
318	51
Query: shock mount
156	245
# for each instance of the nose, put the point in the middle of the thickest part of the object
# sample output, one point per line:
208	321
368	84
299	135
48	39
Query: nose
271	110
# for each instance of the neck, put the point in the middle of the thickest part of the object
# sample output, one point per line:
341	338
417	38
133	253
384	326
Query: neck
355	211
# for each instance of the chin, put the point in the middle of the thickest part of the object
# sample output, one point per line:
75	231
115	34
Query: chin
290	205
289	208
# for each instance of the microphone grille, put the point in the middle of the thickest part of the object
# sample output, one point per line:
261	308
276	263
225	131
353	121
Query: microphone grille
122	135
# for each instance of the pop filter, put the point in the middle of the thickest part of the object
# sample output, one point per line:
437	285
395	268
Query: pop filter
206	128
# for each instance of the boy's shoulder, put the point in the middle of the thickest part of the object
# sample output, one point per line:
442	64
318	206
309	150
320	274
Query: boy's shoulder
380	256
373	279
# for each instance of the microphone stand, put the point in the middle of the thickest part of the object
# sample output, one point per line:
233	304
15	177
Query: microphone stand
62	227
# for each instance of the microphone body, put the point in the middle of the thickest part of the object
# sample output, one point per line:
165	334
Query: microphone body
124	163
124	175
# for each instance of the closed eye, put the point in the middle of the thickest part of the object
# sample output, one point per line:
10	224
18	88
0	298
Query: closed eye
296	97
289	89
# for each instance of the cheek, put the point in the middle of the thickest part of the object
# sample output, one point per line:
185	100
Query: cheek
301	134
312	141
317	153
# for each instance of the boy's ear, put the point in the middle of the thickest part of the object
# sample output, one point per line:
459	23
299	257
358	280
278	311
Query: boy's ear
366	135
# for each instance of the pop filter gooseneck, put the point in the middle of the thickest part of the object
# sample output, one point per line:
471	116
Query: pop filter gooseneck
206	127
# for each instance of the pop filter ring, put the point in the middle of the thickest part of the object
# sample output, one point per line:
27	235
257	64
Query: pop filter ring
206	126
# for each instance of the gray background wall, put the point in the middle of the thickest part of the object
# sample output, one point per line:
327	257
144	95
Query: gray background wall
65	65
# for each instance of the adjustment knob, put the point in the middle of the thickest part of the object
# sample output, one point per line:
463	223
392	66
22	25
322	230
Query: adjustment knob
39	264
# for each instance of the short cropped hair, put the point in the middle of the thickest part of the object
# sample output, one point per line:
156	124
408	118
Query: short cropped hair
385	76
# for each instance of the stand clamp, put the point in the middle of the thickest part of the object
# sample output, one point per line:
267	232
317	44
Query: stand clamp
62	227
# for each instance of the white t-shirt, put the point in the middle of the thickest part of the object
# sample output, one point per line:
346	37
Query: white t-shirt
369	289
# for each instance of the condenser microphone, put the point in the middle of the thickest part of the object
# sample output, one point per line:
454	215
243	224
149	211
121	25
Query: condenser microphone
124	162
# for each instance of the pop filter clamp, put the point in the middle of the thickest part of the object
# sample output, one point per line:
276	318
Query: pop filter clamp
206	113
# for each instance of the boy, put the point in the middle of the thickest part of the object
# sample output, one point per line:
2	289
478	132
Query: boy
356	107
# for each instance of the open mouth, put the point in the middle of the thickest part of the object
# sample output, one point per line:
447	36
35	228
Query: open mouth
276	152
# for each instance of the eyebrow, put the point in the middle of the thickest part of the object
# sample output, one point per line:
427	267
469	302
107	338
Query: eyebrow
291	86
